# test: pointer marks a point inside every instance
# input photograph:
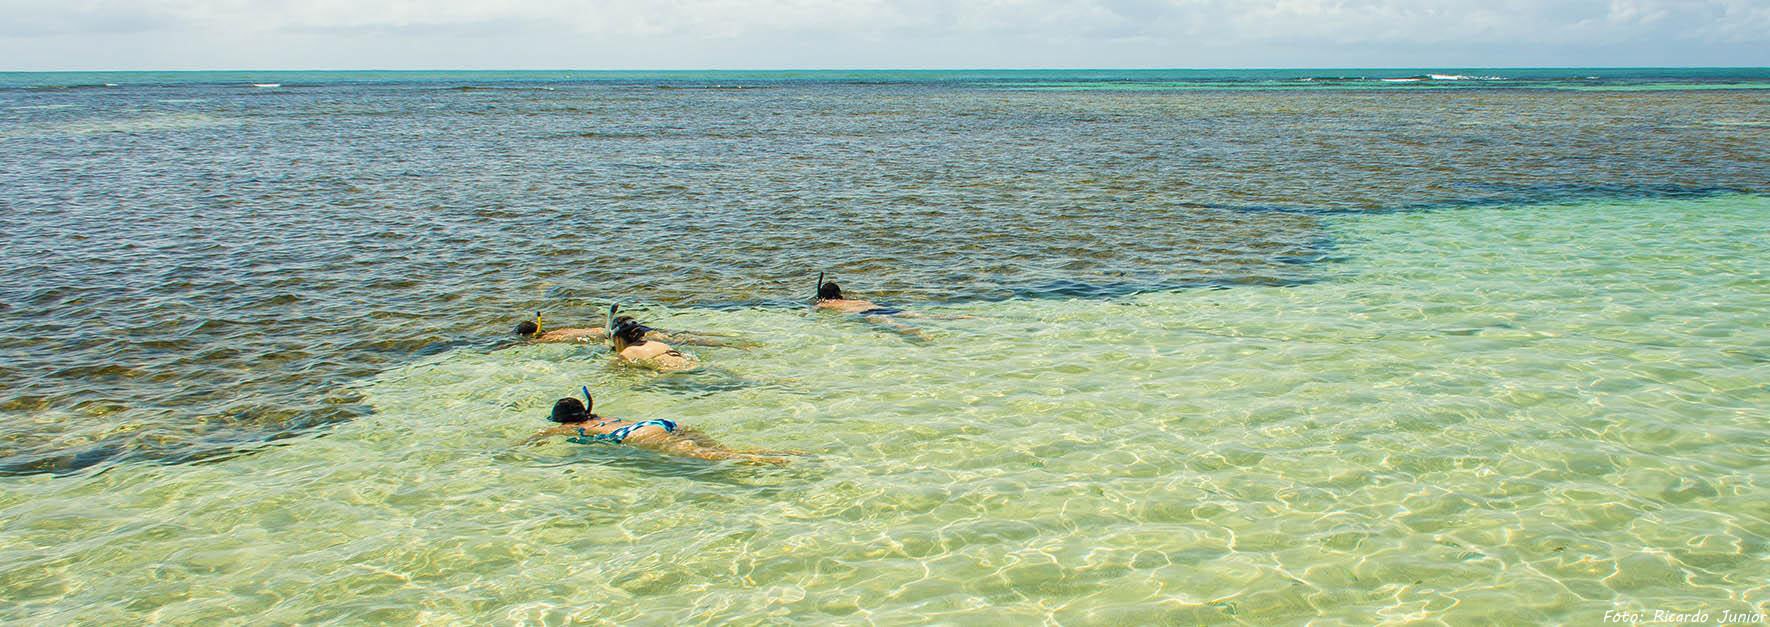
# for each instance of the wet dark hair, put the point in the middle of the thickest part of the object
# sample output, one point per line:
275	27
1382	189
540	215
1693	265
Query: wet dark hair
569	410
829	291
630	332
527	328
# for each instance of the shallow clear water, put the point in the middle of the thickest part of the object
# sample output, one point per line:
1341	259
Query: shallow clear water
196	266
1506	414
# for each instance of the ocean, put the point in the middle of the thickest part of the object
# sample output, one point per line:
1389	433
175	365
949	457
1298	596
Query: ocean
1255	346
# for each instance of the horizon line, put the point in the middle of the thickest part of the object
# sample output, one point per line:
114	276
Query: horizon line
925	69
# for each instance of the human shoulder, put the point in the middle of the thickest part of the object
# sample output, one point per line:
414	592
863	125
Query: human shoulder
564	429
636	352
856	305
848	305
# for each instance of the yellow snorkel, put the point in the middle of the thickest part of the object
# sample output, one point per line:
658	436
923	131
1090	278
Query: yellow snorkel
538	324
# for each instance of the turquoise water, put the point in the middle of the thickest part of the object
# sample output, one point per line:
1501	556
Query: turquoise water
1256	346
1115	79
218	265
1513	413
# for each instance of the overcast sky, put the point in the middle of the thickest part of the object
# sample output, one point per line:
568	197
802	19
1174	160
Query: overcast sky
740	34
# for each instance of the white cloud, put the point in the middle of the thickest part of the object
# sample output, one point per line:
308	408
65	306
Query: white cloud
737	33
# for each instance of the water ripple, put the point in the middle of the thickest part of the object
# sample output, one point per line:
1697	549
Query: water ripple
218	264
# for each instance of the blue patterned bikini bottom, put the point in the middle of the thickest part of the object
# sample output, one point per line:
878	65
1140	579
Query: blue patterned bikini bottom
616	436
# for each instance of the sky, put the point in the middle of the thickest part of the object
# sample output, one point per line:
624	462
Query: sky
38	35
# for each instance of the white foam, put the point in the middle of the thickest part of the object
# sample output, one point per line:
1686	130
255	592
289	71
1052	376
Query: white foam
47	107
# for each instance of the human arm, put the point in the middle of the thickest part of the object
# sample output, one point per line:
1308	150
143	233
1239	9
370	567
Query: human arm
699	339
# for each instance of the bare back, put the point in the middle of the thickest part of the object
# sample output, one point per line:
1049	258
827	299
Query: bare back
572	335
657	355
846	305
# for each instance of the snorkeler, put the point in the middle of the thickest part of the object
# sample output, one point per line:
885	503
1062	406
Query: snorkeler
664	436
631	346
533	331
829	296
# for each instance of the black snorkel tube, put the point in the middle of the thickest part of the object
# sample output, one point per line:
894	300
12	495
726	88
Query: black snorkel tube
817	293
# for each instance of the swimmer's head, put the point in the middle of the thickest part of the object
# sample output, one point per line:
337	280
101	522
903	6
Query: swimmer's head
829	291
569	410
629	332
617	323
529	327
